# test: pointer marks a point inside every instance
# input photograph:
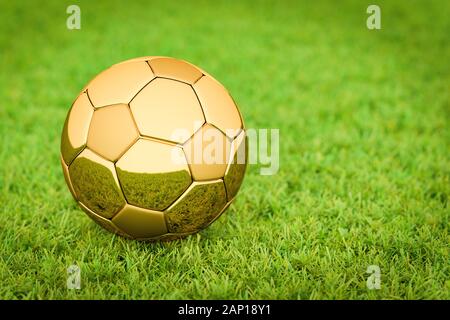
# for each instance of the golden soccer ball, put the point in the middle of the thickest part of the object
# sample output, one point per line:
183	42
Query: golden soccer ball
154	148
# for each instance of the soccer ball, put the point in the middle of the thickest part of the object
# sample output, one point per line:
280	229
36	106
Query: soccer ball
154	148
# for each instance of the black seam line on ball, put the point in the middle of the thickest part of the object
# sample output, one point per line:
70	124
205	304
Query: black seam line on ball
144	86
134	120
121	189
199	102
177	80
198	79
160	140
148	63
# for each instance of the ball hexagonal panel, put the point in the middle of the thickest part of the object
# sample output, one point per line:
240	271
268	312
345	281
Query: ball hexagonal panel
175	69
198	206
207	153
218	106
140	223
236	169
153	174
112	131
76	127
124	80
95	184
167	109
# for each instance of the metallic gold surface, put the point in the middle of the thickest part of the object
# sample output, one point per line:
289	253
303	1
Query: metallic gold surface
112	131
198	206
67	177
149	175
140	223
95	183
164	107
76	128
103	222
220	109
207	153
175	69
147	149
119	83
180	235
236	169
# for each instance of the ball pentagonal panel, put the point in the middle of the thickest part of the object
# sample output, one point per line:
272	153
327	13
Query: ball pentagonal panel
175	69
236	169
153	174
119	83
198	207
167	109
207	153
220	109
95	184
112	131
140	223
76	127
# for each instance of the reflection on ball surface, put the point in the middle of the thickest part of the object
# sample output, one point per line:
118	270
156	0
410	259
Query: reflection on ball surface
150	149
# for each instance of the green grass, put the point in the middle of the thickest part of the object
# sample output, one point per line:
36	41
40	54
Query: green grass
364	150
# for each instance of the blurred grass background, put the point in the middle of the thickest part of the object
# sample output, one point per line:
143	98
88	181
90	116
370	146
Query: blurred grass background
364	149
